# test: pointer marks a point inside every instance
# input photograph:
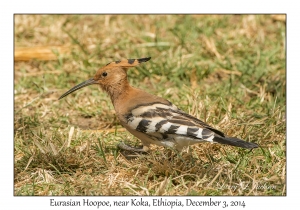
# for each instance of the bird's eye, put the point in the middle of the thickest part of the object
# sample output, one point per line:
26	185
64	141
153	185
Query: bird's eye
104	74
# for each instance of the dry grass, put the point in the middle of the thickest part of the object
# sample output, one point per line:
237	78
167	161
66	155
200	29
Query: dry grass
227	70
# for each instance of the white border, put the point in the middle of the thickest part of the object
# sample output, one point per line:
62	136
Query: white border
153	6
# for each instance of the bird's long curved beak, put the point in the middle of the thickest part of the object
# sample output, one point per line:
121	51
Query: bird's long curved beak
79	86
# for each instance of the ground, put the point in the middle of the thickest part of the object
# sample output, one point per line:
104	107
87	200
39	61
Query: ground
228	70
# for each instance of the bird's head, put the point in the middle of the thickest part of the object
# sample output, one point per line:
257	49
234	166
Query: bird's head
110	75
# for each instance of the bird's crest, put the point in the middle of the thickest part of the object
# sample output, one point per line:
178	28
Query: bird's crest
127	63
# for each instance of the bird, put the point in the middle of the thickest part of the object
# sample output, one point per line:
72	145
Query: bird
150	118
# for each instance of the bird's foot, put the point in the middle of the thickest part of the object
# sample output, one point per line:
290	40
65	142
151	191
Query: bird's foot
127	148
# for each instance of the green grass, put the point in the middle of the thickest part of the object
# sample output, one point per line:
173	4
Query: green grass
228	70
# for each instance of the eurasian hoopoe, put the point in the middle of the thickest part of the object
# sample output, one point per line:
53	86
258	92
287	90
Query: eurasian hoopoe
152	119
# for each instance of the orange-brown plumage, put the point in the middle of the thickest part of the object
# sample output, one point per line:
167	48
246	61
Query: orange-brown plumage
152	119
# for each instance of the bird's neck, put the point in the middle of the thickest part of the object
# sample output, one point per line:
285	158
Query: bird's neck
124	97
118	91
129	97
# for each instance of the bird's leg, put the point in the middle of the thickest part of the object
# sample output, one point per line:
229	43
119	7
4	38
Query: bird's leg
143	149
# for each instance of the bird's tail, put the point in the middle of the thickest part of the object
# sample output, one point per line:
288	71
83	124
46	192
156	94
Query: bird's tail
235	142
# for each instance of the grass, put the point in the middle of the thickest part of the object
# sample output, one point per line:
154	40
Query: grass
228	70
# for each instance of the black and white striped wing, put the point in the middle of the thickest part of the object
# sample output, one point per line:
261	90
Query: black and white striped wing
165	122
